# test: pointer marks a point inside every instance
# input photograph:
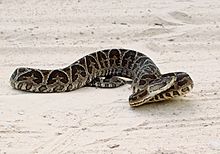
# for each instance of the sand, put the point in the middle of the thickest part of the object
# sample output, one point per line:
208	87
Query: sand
179	35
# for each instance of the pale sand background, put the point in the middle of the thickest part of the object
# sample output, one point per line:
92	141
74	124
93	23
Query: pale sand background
179	35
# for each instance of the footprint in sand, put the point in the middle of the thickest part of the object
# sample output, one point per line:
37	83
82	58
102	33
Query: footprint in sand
181	16
151	32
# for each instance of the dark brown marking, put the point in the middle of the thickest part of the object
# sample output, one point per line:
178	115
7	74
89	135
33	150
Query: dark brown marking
57	74
21	70
81	61
114	56
70	86
94	55
176	93
138	63
156	97
67	71
20	85
23	76
42	88
138	54
172	87
37	77
135	80
58	88
161	96
152	99
182	82
102	58
168	94
128	59
181	75
152	67
142	82
91	64
185	89
28	86
45	73
77	70
143	93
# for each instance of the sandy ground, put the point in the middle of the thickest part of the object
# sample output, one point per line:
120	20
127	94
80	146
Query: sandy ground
179	35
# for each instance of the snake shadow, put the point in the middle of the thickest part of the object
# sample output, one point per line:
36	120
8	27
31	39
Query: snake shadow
167	106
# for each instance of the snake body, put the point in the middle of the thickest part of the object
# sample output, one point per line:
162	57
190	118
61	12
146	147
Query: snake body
104	69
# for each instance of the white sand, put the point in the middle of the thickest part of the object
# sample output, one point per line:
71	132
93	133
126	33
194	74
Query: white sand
179	35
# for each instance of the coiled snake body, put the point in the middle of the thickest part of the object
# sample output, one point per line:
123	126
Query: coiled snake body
104	69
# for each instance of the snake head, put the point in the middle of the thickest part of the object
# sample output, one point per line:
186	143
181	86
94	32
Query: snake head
165	87
154	88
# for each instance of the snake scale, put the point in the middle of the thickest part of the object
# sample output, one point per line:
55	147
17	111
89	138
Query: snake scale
104	69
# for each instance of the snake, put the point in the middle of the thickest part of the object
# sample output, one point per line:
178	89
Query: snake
107	68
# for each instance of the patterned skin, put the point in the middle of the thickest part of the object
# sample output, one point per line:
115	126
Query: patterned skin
103	69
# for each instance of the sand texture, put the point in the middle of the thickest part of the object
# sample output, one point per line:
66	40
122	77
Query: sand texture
179	35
